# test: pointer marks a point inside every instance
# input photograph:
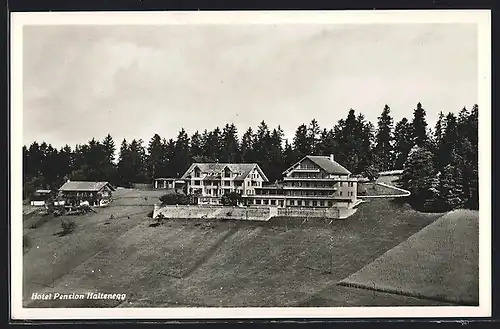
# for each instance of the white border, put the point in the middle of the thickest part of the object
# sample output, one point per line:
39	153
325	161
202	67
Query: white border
480	17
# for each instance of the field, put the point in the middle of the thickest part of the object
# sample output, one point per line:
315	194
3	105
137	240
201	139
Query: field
283	262
425	270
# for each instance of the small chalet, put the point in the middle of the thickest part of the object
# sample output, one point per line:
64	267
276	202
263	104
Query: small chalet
77	193
41	197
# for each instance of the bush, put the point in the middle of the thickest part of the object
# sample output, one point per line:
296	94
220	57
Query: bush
68	225
159	218
175	198
231	199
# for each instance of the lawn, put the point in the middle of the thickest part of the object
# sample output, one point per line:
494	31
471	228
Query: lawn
440	262
283	262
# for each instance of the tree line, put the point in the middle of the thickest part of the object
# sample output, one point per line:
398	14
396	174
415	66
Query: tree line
440	163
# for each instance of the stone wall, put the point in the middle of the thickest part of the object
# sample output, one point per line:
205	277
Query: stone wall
212	212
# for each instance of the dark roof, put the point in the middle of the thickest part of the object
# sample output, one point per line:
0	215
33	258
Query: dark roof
324	162
84	186
331	167
167	179
217	168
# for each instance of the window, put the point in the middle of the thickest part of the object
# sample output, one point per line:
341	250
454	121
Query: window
340	193
248	183
197	173
196	182
340	184
321	203
315	203
227	183
273	202
330	203
257	202
266	202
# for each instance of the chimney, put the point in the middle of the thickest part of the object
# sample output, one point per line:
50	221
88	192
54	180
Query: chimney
331	157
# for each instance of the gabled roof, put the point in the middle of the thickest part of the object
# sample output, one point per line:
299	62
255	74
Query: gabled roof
324	162
216	168
84	186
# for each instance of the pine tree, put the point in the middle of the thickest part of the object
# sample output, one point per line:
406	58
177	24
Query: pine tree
275	164
109	166
230	145
451	187
403	142
384	140
247	146
213	146
124	169
262	147
169	150
327	144
301	142
313	134
419	126
349	137
449	141
181	159
418	175
472	160
138	161
196	146
433	202
109	148
155	162
289	155
365	144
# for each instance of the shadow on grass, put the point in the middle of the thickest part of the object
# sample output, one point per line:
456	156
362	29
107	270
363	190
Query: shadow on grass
63	233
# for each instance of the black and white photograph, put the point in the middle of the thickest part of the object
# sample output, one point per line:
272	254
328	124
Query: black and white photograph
250	164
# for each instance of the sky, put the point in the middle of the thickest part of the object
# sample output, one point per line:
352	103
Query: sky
85	81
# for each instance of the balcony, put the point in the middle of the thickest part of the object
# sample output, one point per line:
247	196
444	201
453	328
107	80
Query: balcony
312	179
306	170
313	188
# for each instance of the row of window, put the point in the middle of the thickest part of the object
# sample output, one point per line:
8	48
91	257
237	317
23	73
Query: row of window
308	175
85	193
311	184
304	203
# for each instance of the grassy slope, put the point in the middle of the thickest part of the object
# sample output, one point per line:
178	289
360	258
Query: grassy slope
439	262
202	263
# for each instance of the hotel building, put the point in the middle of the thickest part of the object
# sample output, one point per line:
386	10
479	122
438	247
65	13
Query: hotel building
314	181
210	181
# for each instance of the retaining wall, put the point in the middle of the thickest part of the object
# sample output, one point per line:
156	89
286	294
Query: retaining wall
212	212
328	213
248	213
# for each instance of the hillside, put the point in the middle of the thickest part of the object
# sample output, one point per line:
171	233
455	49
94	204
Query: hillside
210	263
425	270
